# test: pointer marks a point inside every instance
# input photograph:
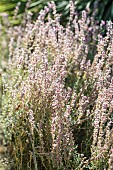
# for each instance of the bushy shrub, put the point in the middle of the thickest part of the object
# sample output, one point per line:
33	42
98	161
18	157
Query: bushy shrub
57	101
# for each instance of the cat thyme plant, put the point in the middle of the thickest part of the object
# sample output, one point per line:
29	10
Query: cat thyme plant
57	102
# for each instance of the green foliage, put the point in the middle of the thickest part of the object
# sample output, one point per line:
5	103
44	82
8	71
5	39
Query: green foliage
104	8
100	163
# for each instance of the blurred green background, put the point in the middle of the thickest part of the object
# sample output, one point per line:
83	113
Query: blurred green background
105	7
